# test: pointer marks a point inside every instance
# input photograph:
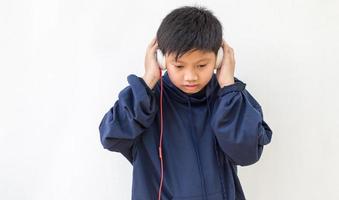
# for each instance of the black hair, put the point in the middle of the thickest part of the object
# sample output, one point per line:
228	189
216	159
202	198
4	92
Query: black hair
189	28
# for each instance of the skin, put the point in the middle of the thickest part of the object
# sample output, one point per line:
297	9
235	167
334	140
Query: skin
189	68
194	67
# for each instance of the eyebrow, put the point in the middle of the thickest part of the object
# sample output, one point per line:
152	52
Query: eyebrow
197	61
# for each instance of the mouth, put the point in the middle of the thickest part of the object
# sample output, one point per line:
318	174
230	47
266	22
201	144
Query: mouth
191	86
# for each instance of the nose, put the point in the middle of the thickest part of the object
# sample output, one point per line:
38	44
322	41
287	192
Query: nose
190	76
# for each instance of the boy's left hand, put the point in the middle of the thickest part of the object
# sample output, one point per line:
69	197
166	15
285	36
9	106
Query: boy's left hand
225	74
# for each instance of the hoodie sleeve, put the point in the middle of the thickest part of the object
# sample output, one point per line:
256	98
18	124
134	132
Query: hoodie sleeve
131	114
238	124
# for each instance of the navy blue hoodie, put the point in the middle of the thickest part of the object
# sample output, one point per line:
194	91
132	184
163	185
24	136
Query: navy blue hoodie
205	136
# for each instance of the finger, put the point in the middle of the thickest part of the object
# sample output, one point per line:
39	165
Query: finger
230	50
152	43
225	47
224	43
155	41
154	47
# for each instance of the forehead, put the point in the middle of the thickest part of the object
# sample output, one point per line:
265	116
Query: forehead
192	56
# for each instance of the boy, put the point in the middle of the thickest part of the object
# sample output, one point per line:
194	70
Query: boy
211	122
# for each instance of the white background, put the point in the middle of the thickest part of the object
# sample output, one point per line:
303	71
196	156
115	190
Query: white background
63	63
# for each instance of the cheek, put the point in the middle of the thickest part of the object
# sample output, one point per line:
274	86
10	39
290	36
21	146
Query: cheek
175	78
206	77
173	75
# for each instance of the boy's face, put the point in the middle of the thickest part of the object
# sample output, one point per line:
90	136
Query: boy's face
193	68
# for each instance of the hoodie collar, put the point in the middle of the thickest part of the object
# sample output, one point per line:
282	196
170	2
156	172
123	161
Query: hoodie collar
197	98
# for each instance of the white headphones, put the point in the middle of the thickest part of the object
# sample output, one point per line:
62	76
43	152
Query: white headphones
162	63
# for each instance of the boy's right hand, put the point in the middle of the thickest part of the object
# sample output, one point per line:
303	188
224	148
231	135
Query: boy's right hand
152	68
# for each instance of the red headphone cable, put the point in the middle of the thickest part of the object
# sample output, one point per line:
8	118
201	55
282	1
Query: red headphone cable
160	143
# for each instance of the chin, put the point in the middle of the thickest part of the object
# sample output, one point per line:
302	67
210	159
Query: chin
191	91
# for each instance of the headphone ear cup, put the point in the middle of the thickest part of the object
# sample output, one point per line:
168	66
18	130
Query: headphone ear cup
161	59
219	58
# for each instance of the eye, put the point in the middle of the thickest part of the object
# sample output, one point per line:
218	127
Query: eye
201	65
179	66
